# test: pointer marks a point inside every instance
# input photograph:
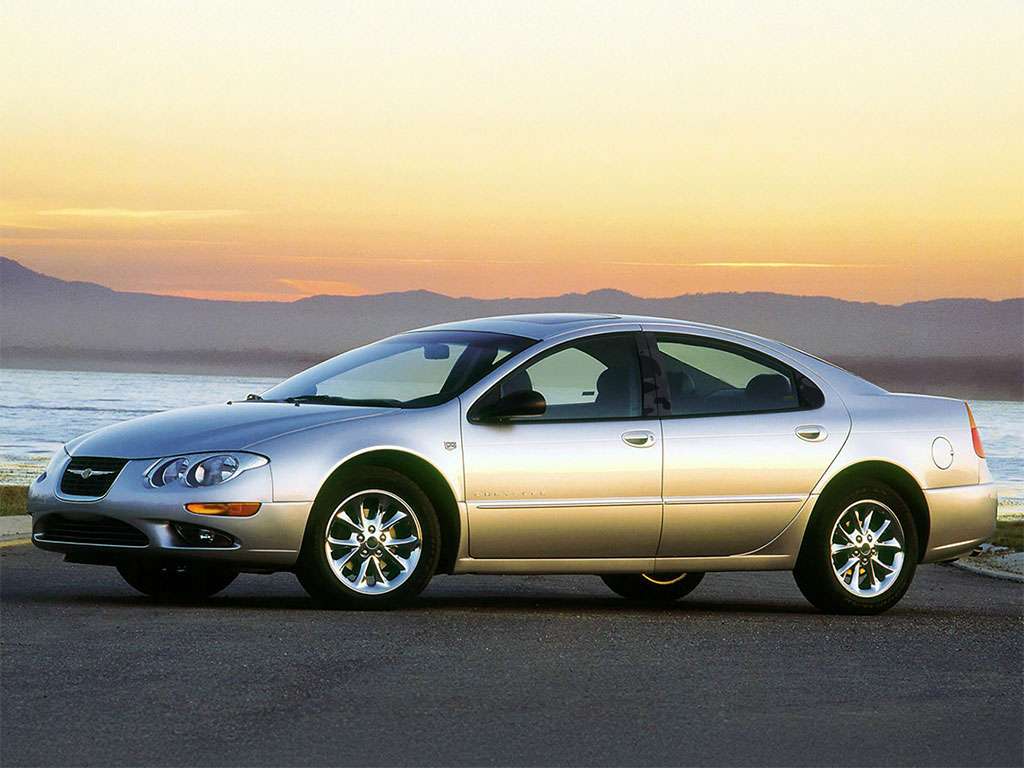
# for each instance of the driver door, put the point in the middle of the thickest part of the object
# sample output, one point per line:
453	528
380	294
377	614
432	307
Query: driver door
583	480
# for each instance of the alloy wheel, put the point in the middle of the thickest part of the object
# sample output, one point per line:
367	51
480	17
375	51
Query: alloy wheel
373	542
867	548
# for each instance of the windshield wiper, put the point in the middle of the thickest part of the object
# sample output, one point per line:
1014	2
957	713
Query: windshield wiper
337	400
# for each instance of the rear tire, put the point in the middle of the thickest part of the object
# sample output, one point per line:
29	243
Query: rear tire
177	582
652	588
859	552
372	542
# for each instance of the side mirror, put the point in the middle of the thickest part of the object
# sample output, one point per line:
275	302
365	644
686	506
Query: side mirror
513	405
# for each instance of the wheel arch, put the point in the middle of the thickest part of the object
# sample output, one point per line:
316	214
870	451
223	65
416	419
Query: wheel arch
426	476
891	474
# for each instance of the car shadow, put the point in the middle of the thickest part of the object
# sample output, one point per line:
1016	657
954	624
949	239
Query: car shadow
460	603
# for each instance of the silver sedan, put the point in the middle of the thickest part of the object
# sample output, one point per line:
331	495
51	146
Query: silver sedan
647	451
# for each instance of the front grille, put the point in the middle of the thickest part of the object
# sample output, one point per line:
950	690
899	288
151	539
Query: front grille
97	530
90	476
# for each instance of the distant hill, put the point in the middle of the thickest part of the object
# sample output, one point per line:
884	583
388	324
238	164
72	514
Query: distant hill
48	322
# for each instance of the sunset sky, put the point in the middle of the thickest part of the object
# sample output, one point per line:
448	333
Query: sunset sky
870	151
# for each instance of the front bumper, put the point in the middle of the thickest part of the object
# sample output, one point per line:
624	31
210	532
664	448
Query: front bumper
962	517
268	540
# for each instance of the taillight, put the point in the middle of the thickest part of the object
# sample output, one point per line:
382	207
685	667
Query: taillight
975	434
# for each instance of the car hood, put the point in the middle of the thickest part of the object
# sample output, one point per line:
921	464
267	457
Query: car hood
211	428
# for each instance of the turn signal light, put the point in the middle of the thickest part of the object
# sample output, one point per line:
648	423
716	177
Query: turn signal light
975	434
229	509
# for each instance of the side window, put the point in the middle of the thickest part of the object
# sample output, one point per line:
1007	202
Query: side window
592	379
706	379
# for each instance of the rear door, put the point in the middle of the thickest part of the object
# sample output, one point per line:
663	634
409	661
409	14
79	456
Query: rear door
746	438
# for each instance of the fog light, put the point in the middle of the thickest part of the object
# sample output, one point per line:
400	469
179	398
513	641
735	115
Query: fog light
196	536
227	509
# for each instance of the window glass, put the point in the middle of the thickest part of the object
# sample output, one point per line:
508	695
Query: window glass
593	379
708	379
412	370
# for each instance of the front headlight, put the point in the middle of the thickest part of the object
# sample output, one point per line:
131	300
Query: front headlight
202	470
213	471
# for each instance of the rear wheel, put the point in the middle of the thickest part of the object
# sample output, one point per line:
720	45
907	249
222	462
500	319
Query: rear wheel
859	553
652	588
184	582
372	542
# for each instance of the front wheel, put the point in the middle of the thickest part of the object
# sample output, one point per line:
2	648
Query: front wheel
859	553
652	588
177	582
372	541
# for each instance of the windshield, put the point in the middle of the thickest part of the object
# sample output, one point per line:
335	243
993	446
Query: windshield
413	370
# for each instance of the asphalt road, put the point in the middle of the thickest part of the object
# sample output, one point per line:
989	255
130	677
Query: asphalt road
505	670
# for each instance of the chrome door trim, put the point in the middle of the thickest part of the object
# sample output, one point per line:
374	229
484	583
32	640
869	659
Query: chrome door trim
637	501
765	499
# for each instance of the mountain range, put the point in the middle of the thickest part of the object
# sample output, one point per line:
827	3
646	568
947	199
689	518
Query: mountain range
49	322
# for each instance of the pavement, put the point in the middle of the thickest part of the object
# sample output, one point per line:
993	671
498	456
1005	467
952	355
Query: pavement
505	670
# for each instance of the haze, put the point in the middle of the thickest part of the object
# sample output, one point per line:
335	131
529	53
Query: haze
867	151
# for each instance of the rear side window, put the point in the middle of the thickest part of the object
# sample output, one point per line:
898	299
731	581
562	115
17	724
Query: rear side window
706	378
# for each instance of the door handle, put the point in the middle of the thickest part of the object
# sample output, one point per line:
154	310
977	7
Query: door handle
812	433
638	438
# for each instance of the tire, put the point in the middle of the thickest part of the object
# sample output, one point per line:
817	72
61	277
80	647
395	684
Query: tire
660	588
177	582
879	573
363	569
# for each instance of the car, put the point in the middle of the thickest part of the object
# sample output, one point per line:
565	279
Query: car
647	451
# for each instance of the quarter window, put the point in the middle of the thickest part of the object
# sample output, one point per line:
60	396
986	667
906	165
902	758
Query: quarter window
591	379
706	378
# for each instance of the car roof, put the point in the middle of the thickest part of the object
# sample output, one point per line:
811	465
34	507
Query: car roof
548	325
541	326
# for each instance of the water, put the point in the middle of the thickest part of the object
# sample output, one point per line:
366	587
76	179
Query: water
42	410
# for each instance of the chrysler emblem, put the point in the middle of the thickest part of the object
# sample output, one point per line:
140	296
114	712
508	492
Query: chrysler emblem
88	472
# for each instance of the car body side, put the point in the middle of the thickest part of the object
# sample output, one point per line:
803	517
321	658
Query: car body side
880	435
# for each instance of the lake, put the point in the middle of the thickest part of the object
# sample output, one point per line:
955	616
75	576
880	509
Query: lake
41	410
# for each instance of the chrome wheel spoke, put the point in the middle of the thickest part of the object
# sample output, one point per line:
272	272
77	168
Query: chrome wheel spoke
349	518
401	562
881	529
888	568
852	561
402	542
340	562
342	542
889	543
849	538
361	574
394	518
375	572
837	548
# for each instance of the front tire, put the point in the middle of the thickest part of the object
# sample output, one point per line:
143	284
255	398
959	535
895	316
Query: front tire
859	553
177	582
372	542
655	588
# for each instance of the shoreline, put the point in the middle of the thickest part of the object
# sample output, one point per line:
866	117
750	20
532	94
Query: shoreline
981	378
